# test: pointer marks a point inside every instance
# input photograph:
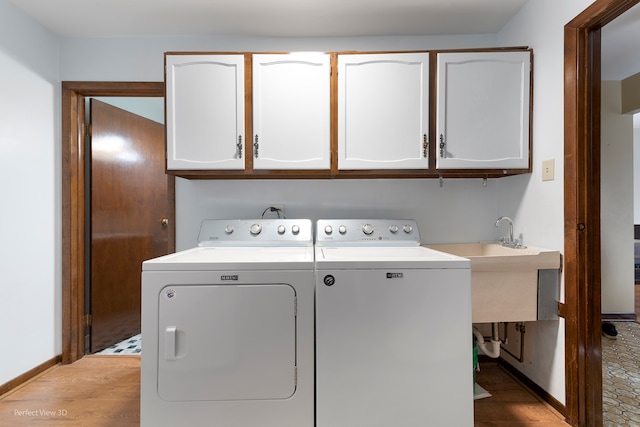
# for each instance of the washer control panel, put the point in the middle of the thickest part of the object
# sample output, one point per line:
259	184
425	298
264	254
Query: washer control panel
256	232
346	232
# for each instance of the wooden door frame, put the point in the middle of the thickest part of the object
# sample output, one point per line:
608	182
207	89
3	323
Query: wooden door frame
73	201
582	306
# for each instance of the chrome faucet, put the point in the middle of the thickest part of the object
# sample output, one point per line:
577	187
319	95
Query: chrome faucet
509	242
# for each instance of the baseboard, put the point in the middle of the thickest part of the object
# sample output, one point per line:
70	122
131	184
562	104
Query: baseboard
533	387
18	381
618	317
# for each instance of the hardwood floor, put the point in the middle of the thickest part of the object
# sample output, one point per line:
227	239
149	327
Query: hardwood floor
105	391
94	391
510	404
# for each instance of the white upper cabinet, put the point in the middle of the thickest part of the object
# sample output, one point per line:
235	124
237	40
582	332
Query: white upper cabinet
205	112
383	111
482	109
372	115
291	111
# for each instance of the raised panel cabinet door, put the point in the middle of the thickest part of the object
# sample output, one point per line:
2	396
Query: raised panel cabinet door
205	112
482	110
291	111
383	111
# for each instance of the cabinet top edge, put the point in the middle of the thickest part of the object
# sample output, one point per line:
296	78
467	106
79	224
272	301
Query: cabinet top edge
356	52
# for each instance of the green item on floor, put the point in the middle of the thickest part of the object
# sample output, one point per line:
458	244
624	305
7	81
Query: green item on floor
475	360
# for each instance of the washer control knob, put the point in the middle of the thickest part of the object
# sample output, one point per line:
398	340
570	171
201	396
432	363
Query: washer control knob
295	229
393	228
281	229
342	229
328	230
255	229
407	228
367	229
229	229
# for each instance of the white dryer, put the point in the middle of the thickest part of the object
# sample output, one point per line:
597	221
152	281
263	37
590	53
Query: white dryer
393	328
228	328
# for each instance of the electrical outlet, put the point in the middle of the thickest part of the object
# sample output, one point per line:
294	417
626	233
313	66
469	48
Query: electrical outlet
548	167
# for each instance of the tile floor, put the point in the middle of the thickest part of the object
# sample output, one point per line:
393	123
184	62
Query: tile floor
129	346
621	377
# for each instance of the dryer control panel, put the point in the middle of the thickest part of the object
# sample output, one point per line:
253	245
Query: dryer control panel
256	232
356	232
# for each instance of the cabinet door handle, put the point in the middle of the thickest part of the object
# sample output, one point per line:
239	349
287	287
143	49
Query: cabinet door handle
255	147
239	146
443	152
425	146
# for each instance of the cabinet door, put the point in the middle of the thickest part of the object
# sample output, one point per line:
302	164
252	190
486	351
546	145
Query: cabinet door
483	110
205	111
291	111
383	111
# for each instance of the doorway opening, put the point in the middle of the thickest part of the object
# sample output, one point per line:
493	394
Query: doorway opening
74	152
582	306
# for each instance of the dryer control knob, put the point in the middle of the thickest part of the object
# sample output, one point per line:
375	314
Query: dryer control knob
407	228
295	229
393	228
342	229
281	229
255	229
229	229
367	229
328	229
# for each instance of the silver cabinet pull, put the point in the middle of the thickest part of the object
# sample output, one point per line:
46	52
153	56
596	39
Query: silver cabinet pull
239	146
443	152
425	146
255	147
164	222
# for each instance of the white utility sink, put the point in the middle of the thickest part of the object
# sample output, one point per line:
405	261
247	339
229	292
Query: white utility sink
504	281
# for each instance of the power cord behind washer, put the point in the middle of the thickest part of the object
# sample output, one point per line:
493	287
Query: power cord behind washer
278	212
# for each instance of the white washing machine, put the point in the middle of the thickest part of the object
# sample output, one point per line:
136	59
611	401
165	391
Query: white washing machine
393	328
228	328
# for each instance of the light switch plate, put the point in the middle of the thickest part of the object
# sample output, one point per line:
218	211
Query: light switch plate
548	167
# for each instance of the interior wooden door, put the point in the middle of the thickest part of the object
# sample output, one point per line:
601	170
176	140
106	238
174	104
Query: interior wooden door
128	219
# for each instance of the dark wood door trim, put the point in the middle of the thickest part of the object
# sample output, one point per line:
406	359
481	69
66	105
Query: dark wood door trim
73	201
583	346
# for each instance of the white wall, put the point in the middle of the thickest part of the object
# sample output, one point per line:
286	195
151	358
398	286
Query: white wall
142	59
616	202
30	273
462	210
150	108
538	207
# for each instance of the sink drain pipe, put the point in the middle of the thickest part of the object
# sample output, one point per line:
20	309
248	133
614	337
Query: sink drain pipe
519	328
494	352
